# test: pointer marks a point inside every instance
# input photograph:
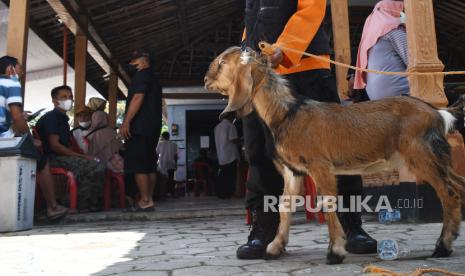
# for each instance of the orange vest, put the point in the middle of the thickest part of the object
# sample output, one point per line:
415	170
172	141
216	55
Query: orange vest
298	34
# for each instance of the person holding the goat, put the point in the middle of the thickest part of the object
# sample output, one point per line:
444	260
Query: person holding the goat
295	24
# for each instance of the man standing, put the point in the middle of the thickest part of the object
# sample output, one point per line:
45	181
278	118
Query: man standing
168	160
12	122
55	134
141	127
295	24
226	141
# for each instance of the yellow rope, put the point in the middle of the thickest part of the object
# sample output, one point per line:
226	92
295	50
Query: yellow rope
269	49
374	270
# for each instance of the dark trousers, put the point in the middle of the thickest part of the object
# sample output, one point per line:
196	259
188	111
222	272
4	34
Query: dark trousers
226	186
171	183
264	179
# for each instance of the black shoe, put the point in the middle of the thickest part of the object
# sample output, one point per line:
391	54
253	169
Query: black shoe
358	241
264	227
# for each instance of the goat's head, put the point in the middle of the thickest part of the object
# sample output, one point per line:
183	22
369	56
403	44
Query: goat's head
235	75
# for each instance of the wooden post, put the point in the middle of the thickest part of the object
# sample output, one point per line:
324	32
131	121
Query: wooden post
18	32
341	37
80	66
423	57
112	98
423	52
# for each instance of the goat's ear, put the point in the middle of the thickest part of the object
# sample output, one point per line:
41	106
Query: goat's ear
241	89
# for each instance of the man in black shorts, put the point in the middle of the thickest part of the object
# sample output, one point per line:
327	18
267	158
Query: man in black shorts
141	127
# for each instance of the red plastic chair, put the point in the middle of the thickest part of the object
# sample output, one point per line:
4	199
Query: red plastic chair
118	179
72	186
201	173
310	190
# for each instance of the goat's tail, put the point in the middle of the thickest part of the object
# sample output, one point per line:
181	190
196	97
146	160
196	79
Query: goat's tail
457	110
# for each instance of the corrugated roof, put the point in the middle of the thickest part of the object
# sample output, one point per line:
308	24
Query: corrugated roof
185	36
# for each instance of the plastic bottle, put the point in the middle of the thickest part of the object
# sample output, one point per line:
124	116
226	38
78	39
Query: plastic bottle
387	217
389	250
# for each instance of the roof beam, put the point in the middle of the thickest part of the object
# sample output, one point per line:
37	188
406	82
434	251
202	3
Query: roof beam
193	96
182	20
70	12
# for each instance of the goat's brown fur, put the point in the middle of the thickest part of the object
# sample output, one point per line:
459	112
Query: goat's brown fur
324	140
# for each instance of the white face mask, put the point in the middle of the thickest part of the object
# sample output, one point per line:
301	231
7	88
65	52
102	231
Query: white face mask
84	125
402	17
66	105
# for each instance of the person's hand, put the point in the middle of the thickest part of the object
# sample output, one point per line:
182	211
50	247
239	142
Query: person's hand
26	115
88	157
276	59
37	143
125	131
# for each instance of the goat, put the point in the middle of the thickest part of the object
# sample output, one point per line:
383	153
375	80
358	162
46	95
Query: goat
327	139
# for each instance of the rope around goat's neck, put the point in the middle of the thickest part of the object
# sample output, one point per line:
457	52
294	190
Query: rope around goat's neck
269	49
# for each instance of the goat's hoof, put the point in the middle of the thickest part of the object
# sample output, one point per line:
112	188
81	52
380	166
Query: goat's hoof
274	251
441	251
332	258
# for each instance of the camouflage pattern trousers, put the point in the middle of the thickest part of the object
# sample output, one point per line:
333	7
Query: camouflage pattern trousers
90	176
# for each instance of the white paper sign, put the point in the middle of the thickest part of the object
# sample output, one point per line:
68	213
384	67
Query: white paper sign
204	142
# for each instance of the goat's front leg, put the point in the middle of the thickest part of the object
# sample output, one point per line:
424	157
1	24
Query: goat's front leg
327	186
292	187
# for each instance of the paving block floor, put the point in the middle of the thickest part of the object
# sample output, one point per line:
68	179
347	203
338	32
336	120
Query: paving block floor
201	246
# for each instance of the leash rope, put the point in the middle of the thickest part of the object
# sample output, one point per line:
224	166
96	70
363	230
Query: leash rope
378	271
269	49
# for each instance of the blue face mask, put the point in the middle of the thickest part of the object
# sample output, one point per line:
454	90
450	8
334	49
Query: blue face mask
15	77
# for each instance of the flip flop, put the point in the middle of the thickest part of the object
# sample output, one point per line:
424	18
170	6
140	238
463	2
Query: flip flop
140	209
57	217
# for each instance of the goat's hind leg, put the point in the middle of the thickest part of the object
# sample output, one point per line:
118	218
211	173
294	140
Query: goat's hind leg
292	187
439	177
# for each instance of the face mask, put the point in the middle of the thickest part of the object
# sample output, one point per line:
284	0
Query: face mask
84	125
65	105
402	17
15	77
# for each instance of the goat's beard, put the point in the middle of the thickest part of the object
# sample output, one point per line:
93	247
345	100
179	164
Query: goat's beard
240	113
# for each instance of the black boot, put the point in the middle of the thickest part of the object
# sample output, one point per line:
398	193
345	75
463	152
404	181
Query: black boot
264	227
358	241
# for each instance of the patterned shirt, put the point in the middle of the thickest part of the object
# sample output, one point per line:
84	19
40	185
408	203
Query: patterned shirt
10	93
390	54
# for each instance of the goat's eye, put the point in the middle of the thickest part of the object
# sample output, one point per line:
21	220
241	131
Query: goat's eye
222	62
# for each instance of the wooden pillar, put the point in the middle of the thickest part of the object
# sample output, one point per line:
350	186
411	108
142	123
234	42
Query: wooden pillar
80	66
423	57
341	37
18	30
112	98
423	52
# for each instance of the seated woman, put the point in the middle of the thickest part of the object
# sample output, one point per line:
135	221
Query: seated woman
97	104
383	47
79	133
103	142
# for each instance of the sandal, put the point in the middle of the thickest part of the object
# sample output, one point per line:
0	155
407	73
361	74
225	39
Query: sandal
137	208
58	216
